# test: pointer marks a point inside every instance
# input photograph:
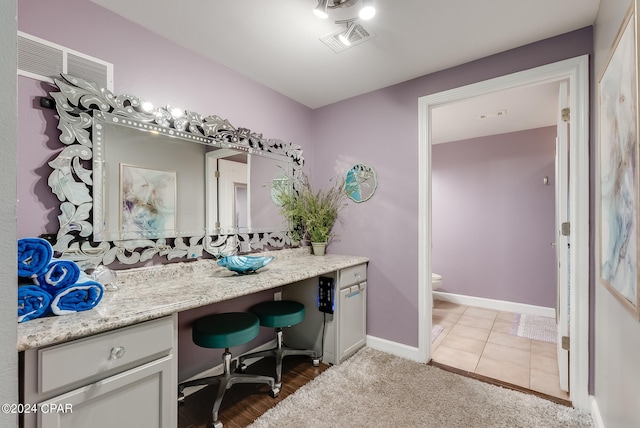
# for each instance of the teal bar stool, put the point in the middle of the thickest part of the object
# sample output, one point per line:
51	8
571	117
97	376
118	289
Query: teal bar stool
279	314
225	330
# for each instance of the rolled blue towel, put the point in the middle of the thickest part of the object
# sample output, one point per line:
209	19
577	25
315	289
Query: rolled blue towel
59	274
33	302
81	296
34	255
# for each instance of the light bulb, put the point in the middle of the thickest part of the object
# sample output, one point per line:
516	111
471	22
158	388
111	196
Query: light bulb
346	36
321	9
367	12
320	13
344	40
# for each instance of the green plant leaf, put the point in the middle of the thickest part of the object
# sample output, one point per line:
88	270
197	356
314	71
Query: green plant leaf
312	214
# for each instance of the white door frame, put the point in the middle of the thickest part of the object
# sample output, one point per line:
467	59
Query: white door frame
576	70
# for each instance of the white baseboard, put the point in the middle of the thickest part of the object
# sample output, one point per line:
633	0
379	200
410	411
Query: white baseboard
217	370
394	348
595	413
499	305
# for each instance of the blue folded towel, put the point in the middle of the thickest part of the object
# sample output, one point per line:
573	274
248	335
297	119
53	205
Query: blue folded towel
34	255
81	296
59	274
33	302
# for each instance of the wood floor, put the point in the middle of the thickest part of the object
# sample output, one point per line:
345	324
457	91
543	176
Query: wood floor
242	404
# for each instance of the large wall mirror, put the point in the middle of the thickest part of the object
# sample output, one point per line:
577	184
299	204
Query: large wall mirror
136	181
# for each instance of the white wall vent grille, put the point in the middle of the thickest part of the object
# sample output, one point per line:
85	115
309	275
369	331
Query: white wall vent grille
42	60
359	35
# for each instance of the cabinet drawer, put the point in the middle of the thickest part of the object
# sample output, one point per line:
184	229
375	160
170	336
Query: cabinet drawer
353	275
102	355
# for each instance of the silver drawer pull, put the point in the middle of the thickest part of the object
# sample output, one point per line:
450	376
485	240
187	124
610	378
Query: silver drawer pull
117	352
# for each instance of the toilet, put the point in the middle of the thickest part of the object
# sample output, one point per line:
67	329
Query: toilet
436	282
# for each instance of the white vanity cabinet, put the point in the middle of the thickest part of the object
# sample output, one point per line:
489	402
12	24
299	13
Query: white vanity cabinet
125	377
334	336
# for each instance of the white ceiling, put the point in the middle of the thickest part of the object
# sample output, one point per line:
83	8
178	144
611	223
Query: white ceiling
277	42
510	110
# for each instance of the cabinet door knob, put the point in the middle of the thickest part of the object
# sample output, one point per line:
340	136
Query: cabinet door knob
117	352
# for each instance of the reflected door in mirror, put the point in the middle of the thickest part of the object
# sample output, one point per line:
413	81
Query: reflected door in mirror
232	194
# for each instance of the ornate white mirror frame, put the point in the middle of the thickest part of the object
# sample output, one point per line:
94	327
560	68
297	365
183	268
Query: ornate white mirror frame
72	182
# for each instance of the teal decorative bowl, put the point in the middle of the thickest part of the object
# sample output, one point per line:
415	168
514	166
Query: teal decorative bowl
244	264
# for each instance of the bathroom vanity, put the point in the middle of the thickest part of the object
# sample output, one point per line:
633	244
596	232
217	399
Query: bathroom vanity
125	377
118	362
116	365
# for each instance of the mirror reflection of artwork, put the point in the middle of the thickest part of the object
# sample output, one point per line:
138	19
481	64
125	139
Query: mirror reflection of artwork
148	203
361	183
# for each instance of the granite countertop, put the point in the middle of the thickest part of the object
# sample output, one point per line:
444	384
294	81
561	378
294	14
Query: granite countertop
157	291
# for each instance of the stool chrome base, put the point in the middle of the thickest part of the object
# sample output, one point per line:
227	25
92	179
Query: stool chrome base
279	352
225	381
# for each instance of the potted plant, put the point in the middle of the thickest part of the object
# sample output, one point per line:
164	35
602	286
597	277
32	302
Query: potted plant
312	214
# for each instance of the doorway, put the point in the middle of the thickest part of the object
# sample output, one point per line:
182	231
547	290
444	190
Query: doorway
575	71
493	222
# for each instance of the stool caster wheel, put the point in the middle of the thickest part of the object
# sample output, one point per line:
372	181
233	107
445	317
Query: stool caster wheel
274	391
316	362
217	424
241	368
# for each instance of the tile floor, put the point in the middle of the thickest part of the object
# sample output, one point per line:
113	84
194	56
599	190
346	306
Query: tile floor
479	340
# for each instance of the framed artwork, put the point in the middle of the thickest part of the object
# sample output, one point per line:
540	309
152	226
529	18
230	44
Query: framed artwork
147	203
618	202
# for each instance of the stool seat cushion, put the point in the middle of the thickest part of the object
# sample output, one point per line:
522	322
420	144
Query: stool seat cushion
225	330
279	313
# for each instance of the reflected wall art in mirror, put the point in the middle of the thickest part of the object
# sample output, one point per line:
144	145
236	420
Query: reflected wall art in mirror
137	182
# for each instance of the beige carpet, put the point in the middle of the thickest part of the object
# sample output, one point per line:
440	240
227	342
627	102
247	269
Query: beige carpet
375	389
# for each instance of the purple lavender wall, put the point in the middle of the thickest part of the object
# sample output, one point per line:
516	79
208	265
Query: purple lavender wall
144	65
381	129
493	217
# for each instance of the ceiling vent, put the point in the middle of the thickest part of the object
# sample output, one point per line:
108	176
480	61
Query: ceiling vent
42	60
358	36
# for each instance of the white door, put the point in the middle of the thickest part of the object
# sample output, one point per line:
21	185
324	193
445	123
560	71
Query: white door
562	237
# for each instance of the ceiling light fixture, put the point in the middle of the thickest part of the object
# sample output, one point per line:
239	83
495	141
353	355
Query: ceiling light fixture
498	113
368	10
346	36
321	9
